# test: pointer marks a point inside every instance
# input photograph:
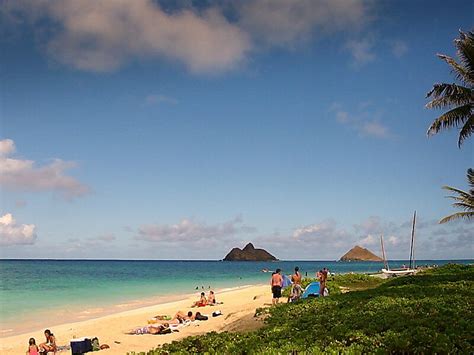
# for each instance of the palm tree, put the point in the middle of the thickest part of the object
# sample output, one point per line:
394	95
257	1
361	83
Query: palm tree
464	200
459	99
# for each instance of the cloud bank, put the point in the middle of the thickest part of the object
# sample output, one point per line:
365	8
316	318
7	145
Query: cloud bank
103	36
190	231
12	233
25	175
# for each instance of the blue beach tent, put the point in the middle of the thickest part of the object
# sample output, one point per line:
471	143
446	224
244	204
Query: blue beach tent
286	281
312	290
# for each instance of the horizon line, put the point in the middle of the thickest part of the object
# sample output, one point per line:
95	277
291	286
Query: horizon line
269	261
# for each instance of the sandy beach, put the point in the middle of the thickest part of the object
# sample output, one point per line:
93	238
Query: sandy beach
237	310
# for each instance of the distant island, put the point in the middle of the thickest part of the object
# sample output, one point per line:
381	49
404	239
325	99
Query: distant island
249	253
360	254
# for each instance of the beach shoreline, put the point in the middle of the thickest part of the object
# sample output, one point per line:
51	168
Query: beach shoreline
78	313
239	302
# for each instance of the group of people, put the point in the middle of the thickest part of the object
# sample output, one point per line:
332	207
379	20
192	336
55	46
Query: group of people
47	346
164	324
296	288
210	300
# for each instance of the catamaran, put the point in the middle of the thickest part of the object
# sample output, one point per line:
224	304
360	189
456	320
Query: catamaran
406	270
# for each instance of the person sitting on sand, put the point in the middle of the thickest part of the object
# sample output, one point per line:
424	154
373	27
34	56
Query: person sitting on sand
32	348
50	344
211	299
202	301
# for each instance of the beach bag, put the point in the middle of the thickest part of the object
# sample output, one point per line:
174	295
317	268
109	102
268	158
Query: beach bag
199	316
81	346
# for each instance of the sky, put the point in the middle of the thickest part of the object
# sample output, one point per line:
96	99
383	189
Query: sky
181	129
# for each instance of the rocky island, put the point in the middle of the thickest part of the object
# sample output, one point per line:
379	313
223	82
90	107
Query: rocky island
360	254
249	253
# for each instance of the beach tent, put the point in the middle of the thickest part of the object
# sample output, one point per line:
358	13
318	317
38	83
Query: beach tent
286	281
312	290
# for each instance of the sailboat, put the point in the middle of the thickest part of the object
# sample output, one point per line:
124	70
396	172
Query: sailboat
403	271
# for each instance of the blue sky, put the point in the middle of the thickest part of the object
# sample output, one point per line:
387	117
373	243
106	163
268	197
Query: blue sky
180	129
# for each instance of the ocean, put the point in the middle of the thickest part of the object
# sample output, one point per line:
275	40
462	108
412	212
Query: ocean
32	291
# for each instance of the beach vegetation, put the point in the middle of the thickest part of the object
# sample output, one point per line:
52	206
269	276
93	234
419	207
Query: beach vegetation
426	313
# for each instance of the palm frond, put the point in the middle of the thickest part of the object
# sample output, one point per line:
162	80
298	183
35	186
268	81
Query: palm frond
458	191
447	95
466	130
458	99
464	206
470	177
465	47
462	73
464	200
457	215
453	118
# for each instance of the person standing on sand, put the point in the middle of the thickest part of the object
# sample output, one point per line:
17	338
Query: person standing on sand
296	277
296	289
276	282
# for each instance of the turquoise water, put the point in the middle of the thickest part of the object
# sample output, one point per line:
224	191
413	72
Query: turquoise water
32	289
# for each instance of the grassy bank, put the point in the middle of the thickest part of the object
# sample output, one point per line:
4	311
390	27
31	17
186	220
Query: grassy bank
431	312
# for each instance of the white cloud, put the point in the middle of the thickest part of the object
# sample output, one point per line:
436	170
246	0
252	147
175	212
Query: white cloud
12	233
364	122
369	240
103	36
188	230
399	48
374	129
7	146
19	174
362	51
319	232
284	23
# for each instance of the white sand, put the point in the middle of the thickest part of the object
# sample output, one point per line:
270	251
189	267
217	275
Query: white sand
238	304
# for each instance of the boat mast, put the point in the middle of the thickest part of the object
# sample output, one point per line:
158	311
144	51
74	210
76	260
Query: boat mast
385	263
412	248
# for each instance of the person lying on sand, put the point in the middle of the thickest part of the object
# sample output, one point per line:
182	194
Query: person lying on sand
50	344
202	301
178	318
151	329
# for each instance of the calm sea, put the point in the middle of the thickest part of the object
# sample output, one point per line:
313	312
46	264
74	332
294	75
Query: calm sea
32	291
